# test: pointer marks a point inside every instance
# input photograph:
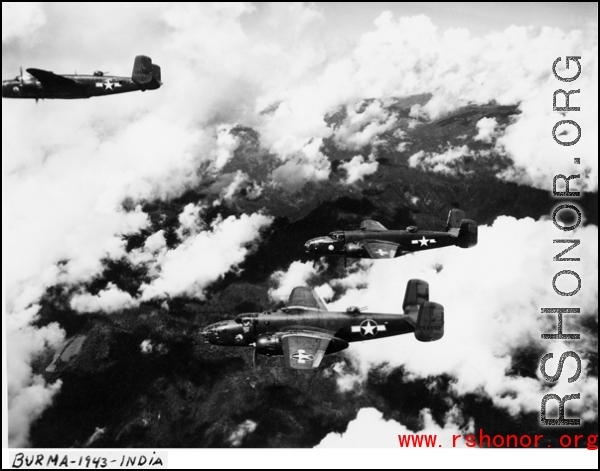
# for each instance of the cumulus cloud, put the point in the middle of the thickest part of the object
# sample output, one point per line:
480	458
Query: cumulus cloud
357	168
108	300
297	274
146	346
492	312
361	126
28	394
238	181
227	143
410	55
485	129
203	257
442	163
371	430
310	164
237	436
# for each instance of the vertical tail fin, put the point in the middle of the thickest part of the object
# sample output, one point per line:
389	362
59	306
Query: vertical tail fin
455	216
145	73
465	230
417	293
430	322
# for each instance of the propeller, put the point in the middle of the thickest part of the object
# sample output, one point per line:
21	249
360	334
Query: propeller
254	356
21	75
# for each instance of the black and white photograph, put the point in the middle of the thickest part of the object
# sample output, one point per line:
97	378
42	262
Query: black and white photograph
327	234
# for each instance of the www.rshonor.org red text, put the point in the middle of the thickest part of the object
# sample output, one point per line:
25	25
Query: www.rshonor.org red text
498	440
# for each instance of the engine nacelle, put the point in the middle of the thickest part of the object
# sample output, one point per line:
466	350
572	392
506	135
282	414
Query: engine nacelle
430	322
269	344
336	345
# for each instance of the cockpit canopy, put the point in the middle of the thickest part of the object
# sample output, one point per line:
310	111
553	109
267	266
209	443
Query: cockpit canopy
244	318
337	235
98	73
411	229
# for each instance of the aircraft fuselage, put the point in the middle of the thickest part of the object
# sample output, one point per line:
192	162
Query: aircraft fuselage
86	86
349	243
263	329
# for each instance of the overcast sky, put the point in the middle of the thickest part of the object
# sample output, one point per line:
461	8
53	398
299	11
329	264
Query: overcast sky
68	166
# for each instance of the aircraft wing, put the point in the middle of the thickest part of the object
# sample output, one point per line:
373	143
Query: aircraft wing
304	350
380	248
51	80
370	225
305	298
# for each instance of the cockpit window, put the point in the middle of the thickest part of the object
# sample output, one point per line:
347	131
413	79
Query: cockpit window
337	235
245	319
411	229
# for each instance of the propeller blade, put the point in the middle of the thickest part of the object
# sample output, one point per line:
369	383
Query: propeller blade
254	357
21	74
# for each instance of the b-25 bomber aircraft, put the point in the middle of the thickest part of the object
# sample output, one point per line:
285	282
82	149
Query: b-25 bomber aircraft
305	331
373	240
44	84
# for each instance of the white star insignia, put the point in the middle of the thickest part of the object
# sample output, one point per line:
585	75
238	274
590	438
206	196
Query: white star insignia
368	327
423	241
109	85
302	357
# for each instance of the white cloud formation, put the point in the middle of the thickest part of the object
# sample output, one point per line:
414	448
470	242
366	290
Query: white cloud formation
108	300
239	179
485	129
357	168
442	163
310	164
28	394
371	430
227	143
297	274
146	346
203	257
492	300
361	126
237	436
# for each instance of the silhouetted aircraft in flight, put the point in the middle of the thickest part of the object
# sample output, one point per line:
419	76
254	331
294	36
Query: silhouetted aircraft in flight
44	84
305	331
373	240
